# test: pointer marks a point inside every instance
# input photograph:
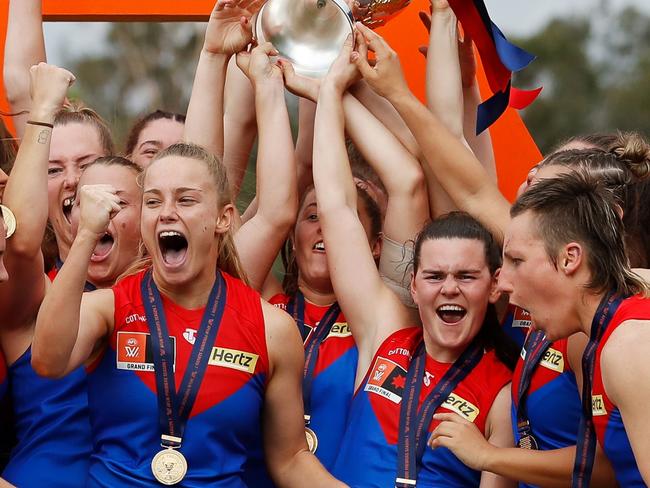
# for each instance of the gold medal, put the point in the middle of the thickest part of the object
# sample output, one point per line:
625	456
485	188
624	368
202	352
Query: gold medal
169	466
10	220
312	440
528	442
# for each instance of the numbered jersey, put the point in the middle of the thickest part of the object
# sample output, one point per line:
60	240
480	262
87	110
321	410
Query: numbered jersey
608	422
553	405
225	420
368	454
52	428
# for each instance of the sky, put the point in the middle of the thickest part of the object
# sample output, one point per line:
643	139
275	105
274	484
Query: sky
514	17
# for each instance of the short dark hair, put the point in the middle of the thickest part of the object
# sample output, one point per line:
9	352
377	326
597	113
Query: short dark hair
461	225
578	207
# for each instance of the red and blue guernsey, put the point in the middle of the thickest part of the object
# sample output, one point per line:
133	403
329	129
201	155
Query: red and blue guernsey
51	274
548	407
52	428
333	371
608	423
224	422
369	452
516	324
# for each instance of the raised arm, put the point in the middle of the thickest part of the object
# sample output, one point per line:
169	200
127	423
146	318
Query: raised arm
371	309
228	32
24	48
456	168
398	169
384	111
71	323
239	125
480	144
444	90
26	196
260	238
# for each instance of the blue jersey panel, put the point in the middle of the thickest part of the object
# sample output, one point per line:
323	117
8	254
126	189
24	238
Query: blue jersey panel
619	452
52	427
215	440
331	398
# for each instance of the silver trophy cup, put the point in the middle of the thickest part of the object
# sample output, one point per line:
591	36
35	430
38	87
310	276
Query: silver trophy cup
309	33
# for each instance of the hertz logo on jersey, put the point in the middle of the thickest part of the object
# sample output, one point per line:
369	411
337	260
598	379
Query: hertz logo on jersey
340	329
598	406
553	359
462	407
231	358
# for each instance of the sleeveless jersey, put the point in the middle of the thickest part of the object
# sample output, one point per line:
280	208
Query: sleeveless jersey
553	405
516	324
607	417
52	428
333	380
224	422
368	454
51	274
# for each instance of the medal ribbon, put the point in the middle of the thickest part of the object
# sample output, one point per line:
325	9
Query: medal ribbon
296	308
413	424
174	407
535	347
586	448
88	286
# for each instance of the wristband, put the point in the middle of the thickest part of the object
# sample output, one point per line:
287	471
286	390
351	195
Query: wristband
43	124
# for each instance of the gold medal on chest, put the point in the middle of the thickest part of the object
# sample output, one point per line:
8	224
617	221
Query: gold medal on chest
312	440
10	220
169	466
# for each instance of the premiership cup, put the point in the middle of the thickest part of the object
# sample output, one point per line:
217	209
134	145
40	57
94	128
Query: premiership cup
309	33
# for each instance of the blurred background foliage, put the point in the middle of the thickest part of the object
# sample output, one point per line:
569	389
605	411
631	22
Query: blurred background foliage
596	76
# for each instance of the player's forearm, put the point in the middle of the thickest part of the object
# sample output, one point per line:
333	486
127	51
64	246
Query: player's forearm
57	325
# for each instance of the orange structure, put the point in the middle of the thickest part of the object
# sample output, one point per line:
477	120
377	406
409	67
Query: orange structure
514	148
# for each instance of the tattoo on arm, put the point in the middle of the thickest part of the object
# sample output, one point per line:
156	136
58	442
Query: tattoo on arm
43	136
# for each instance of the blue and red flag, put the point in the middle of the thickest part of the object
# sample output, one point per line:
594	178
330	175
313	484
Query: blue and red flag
500	59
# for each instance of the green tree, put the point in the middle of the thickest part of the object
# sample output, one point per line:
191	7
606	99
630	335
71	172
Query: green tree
571	82
595	70
147	66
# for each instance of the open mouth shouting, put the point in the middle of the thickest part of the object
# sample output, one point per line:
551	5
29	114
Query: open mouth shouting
173	247
451	314
66	207
319	246
103	248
